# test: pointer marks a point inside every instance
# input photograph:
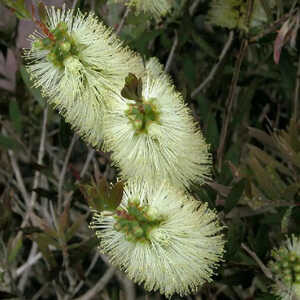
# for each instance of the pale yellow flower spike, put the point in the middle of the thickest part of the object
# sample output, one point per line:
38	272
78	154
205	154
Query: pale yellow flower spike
286	269
161	238
78	65
167	145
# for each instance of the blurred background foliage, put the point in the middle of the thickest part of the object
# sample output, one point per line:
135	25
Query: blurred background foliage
243	88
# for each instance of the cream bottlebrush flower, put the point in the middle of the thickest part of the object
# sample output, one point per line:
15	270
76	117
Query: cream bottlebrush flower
157	8
162	238
155	136
233	14
78	63
286	269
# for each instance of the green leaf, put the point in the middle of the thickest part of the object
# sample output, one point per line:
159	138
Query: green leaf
286	220
63	221
75	226
65	133
19	8
15	115
31	230
234	237
101	196
43	242
262	240
133	88
116	195
234	195
15	249
212	132
204	45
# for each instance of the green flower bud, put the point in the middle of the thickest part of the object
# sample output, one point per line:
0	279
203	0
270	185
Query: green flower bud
52	58
297	267
293	257
275	267
297	278
288	278
65	47
285	264
287	272
138	231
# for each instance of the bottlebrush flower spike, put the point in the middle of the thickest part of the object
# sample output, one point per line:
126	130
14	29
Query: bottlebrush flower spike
286	268
78	63
162	238
151	132
157	8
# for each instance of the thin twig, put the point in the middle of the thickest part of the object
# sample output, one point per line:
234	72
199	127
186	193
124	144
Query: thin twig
128	286
19	177
86	274
171	55
121	24
296	93
40	158
74	4
193	7
232	90
41	154
41	291
216	66
23	279
87	162
64	170
30	262
99	285
262	266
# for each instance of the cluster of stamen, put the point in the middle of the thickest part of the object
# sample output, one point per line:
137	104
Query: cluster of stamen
287	264
141	114
136	222
59	43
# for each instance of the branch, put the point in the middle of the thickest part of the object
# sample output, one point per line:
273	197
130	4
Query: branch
265	270
64	170
99	285
171	55
18	175
121	24
262	266
40	158
87	162
31	261
193	7
128	286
